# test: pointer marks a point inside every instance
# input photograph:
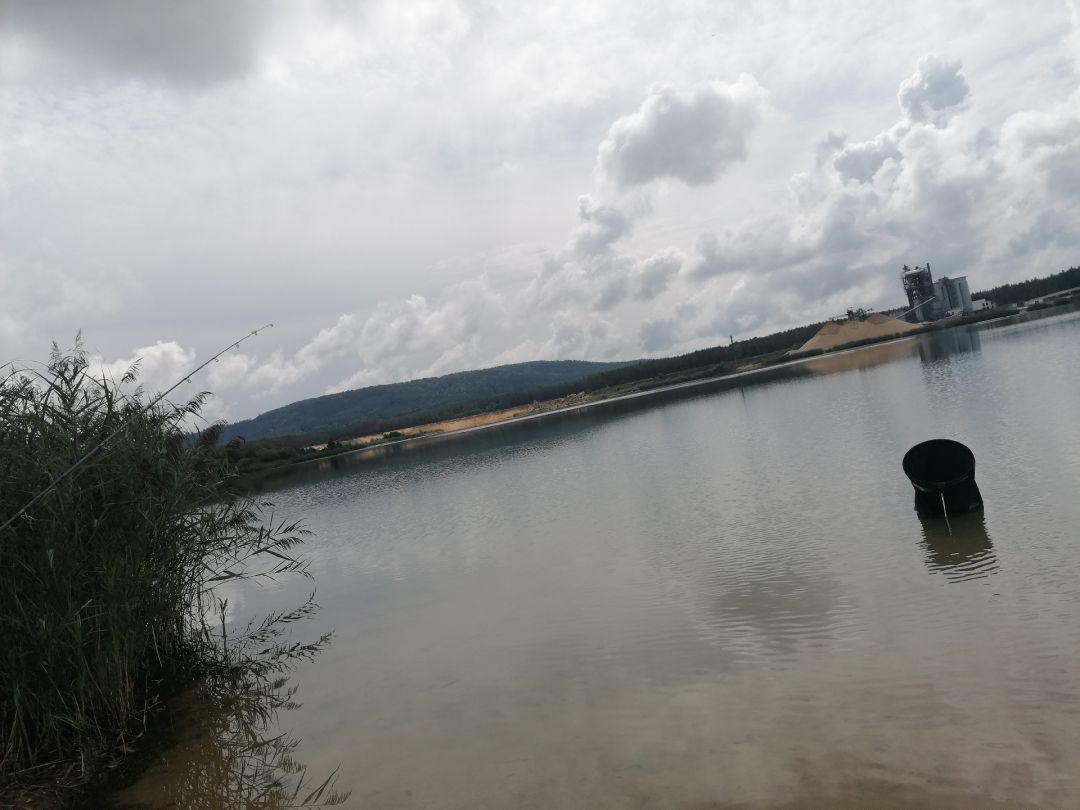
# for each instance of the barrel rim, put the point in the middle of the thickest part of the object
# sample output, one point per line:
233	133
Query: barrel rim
933	486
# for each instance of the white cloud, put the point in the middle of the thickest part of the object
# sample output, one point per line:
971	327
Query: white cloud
654	274
361	379
602	224
570	337
160	366
395	341
1044	146
415	166
229	371
933	94
935	187
588	269
861	161
692	135
934	91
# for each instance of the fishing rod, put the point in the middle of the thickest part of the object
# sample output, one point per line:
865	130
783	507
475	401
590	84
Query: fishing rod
89	454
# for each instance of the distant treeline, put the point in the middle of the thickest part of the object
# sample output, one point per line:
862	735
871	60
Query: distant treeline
1033	288
723	358
286	446
379	408
279	436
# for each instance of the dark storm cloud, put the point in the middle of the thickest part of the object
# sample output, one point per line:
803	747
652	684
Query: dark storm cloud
185	41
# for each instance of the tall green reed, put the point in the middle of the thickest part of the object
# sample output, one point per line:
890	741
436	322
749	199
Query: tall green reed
106	582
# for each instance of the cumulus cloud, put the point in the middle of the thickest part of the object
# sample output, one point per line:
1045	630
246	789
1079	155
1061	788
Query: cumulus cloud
395	341
828	146
589	268
932	186
193	41
929	186
653	275
934	91
689	135
327	157
1044	145
614	291
570	337
229	371
861	161
754	245
361	379
602	224
935	188
932	95
160	365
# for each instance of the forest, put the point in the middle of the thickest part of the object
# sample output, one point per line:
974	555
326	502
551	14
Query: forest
280	435
1023	291
379	408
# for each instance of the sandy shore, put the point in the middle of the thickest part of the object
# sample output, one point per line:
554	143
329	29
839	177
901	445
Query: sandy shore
467	422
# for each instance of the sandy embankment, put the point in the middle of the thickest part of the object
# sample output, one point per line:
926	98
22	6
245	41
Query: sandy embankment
830	336
877	326
466	422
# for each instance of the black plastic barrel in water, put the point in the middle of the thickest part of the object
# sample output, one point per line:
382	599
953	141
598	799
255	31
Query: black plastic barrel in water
943	474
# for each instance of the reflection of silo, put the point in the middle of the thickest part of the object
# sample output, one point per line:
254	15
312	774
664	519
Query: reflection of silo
919	288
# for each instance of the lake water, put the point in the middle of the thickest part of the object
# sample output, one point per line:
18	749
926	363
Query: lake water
716	597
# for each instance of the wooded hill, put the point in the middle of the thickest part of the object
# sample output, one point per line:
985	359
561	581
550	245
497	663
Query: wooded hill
379	408
383	408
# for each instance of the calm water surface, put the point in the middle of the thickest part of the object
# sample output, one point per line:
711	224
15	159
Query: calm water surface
715	598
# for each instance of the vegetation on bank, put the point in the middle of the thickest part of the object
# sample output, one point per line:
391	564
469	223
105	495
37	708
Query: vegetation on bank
107	605
254	457
382	408
261	450
1022	291
276	446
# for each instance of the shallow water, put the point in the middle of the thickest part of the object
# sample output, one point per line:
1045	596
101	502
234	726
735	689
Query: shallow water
716	597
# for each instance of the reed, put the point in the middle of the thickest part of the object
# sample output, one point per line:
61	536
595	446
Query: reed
106	583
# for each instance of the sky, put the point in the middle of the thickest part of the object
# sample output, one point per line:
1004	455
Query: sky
406	189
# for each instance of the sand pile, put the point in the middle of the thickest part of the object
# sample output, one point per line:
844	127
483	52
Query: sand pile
835	334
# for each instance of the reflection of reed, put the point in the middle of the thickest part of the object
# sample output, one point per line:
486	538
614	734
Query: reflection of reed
230	756
965	553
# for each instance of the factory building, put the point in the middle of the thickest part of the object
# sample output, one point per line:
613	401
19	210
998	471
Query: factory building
930	300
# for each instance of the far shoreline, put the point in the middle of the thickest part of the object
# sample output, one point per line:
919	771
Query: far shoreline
419	433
